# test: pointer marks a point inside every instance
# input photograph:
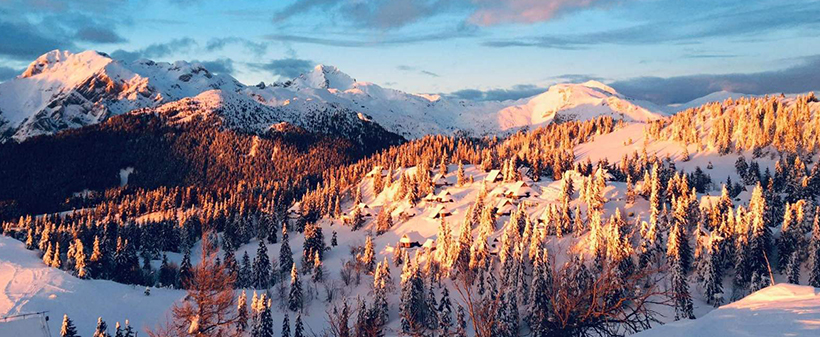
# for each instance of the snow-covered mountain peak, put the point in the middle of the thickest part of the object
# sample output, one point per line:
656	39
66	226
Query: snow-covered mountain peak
598	85
568	101
61	60
325	77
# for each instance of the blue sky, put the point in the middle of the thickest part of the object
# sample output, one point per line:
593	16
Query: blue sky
667	51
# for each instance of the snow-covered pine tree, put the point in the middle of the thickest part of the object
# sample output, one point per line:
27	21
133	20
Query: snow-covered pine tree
445	312
242	312
68	329
460	179
713	276
384	221
318	269
793	267
295	295
245	276
285	255
461	323
680	287
185	272
285	326
261	267
368	257
265	318
679	234
100	331
814	251
298	328
540	307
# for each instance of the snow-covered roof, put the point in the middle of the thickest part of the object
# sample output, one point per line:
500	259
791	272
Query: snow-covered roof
439	210
411	237
493	175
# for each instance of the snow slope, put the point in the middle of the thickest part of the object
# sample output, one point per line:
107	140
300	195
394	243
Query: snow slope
28	285
779	310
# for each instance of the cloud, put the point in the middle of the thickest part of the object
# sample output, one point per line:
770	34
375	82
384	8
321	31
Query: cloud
379	40
383	14
156	50
287	67
24	41
575	78
799	78
494	12
516	92
219	66
217	44
7	73
392	14
414	69
728	22
99	35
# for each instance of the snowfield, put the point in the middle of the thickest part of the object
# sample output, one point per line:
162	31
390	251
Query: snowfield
779	310
30	286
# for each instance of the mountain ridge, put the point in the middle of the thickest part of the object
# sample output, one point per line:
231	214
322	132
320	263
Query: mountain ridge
61	90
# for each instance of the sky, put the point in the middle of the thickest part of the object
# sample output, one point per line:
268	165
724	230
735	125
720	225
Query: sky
666	51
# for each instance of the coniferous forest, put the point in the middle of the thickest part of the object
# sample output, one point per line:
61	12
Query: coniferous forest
550	242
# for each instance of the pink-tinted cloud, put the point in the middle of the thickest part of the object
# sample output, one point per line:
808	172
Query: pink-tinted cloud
493	12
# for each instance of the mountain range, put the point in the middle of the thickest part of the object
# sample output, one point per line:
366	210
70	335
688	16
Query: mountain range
62	90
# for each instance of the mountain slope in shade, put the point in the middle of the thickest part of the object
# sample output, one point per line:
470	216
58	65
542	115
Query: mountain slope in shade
238	111
779	310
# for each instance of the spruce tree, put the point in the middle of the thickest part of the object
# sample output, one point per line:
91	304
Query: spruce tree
298	329
68	329
814	251
368	257
445	312
285	326
713	279
185	270
285	255
793	268
245	277
261	267
461	323
100	331
295	295
242	312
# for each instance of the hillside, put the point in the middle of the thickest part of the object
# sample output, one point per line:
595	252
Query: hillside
525	233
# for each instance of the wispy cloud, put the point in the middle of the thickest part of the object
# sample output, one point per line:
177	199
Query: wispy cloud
99	35
392	14
734	22
219	66
217	44
493	12
7	73
286	67
516	92
416	70
377	40
799	78
156	50
24	41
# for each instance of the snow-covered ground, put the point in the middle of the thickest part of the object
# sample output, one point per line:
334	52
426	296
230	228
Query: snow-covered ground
779	310
28	286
